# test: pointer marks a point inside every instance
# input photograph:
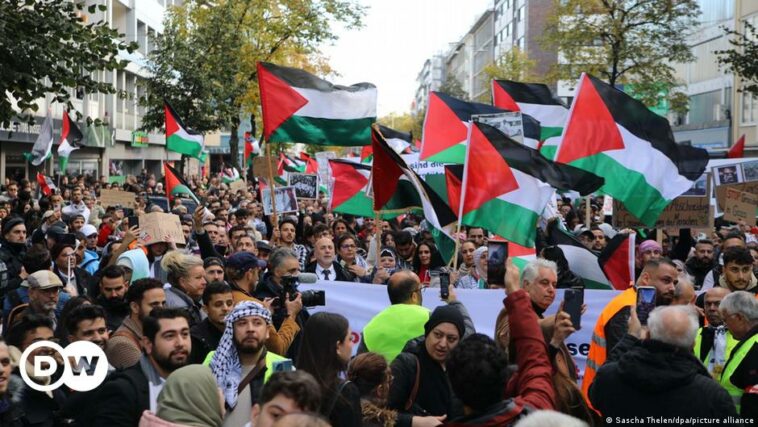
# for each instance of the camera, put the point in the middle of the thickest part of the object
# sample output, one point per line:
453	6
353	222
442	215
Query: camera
310	298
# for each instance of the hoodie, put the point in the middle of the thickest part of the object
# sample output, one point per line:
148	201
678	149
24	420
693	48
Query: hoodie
136	260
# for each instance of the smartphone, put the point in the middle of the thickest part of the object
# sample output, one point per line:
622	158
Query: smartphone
444	285
283	366
645	303
497	254
133	220
573	298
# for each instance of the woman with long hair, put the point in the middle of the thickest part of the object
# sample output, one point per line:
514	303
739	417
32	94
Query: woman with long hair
325	350
186	275
426	259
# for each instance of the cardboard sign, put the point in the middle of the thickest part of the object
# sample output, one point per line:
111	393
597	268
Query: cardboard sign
747	187
261	165
158	226
124	199
739	205
306	185
237	185
683	212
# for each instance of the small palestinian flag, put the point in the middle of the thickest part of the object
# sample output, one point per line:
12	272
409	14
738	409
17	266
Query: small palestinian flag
391	175
43	146
616	137
71	138
179	138
446	127
521	255
176	185
617	261
230	175
290	164
252	149
399	141
536	100
311	164
738	149
300	107
581	261
46	184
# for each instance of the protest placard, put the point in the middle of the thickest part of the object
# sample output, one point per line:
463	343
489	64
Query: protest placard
510	123
739	205
306	185
683	212
160	227
261	165
125	199
286	201
237	185
747	187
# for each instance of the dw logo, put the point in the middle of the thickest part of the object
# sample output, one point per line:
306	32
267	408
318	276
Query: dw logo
84	368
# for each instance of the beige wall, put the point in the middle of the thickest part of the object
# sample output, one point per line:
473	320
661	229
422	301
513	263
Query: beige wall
745	112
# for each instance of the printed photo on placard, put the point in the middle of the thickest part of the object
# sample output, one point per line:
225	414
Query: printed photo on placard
729	174
699	187
285	198
306	185
750	170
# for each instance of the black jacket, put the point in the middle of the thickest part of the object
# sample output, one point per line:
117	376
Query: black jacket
11	414
122	399
10	265
115	311
343	410
268	289
651	378
205	338
435	394
698	270
342	275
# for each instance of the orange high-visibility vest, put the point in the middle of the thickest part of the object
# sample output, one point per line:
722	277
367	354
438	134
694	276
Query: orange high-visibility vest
598	351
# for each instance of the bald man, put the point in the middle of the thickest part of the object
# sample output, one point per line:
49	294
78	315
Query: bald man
684	291
326	267
714	343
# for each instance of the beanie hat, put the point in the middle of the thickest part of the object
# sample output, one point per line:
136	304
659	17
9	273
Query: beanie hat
11	222
445	314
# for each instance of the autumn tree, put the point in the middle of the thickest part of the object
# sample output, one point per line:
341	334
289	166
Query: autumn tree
742	58
453	87
205	61
514	64
624	42
48	47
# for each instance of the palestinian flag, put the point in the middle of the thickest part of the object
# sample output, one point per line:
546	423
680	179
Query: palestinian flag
390	175
349	188
290	164
43	146
176	185
446	127
252	149
179	138
738	149
454	184
521	255
311	165
581	261
494	189
300	107
536	100
399	141
616	137
71	138
617	261
233	175
46	184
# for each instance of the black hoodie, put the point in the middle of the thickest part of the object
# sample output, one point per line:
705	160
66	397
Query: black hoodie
652	378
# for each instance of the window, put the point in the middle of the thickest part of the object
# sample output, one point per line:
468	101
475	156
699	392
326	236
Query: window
748	108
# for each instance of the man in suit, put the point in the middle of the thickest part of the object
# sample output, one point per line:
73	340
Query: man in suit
325	266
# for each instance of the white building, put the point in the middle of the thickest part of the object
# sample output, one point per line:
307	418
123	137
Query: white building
467	58
430	78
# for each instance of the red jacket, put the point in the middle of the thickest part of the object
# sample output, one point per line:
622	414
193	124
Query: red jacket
103	234
533	385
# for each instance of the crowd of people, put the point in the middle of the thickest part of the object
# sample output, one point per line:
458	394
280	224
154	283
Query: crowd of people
212	332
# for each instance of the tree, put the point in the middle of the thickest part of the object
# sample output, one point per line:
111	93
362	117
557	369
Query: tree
453	87
205	61
742	58
48	47
512	65
624	42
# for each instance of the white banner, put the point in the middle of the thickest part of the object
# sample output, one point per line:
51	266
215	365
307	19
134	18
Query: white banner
360	302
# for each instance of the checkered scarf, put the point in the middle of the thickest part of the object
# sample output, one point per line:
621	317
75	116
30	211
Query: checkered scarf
225	364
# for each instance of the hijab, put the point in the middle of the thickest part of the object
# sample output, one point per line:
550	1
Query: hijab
190	397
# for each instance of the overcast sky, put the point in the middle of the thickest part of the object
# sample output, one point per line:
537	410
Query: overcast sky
397	37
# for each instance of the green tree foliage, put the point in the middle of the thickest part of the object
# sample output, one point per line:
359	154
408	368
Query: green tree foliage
453	87
623	42
512	65
205	61
47	47
742	58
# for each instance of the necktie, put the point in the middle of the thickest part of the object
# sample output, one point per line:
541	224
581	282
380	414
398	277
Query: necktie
326	274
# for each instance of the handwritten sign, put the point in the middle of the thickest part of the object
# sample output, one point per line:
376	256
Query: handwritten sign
124	199
739	205
683	212
161	227
747	187
261	165
237	185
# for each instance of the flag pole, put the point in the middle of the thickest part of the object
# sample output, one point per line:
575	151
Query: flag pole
587	212
271	185
463	197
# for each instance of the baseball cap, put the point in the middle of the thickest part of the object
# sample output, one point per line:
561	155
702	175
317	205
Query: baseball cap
88	230
244	261
47	214
44	279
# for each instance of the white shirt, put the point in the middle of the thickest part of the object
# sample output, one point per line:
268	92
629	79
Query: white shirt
155	390
320	272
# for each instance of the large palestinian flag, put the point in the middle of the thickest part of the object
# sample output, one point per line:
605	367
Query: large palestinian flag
581	261
176	185
446	127
505	179
300	107
349	188
399	141
71	138
391	176
616	137
179	138
536	100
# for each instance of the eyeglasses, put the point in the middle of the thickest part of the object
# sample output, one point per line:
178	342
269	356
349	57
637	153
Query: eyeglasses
348	246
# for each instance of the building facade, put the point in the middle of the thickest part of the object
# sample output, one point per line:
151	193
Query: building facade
520	24
468	57
745	105
430	78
